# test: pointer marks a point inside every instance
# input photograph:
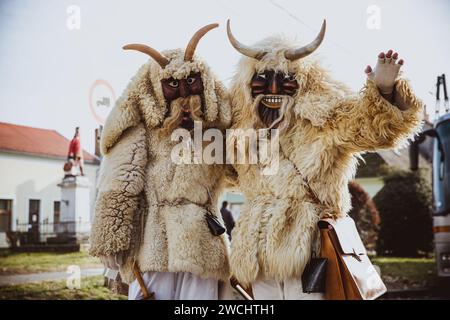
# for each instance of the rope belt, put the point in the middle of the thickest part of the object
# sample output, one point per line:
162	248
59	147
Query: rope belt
178	202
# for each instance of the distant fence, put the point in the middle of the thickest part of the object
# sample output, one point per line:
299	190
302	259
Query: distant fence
54	228
61	233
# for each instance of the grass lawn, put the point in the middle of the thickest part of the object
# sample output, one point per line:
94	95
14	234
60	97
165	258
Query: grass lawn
406	273
91	289
13	263
397	273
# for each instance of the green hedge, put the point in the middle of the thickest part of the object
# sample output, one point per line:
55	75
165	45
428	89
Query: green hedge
405	207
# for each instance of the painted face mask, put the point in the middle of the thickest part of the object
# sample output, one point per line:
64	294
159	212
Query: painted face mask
176	88
274	82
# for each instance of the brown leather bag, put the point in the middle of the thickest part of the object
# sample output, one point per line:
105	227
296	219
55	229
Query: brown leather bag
350	274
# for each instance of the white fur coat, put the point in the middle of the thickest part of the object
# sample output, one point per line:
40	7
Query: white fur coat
149	208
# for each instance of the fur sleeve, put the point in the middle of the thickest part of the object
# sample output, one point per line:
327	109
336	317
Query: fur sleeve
124	146
369	122
120	185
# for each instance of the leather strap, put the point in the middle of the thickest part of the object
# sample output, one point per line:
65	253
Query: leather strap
313	196
311	192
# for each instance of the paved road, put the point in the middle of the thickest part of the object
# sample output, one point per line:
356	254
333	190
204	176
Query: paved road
7	280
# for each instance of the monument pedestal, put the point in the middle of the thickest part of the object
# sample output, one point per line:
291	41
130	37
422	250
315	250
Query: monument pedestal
75	218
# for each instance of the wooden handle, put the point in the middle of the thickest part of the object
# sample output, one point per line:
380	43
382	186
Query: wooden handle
243	292
236	285
137	274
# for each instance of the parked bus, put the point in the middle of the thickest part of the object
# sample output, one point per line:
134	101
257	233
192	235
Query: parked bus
440	132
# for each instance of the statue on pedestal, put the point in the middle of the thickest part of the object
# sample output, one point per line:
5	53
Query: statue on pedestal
75	155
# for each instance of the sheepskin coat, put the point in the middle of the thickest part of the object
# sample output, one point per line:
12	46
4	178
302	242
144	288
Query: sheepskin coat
329	128
150	209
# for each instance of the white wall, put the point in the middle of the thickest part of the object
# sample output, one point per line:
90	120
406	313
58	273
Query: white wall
24	177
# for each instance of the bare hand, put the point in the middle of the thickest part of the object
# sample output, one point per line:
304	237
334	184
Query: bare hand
386	71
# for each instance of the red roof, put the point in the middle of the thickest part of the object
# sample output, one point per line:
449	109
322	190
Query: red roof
35	141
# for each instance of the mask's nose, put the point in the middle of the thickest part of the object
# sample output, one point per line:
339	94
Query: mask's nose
184	90
274	88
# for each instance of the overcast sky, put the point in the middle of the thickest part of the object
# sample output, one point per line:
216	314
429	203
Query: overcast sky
48	67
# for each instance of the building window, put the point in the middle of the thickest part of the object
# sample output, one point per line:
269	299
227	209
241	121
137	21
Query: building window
5	215
56	211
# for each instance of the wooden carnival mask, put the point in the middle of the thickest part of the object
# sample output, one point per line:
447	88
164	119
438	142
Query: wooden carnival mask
172	88
176	88
271	84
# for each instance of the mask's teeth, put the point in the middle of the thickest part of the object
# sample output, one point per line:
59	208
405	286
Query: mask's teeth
272	99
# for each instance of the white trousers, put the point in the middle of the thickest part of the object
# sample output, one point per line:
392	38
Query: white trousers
175	286
289	289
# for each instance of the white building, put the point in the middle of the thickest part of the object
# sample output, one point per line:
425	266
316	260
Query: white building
31	166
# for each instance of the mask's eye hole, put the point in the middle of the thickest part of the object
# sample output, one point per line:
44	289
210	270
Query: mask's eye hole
289	77
261	76
190	80
173	83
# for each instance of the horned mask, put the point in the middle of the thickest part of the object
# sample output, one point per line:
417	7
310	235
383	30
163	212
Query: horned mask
163	87
272	76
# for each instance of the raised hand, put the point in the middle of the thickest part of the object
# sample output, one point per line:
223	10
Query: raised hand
385	72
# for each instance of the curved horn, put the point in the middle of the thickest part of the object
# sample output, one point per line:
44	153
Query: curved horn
294	54
190	49
242	48
158	57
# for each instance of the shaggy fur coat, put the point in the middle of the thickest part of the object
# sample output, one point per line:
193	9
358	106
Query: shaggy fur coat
329	128
148	208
